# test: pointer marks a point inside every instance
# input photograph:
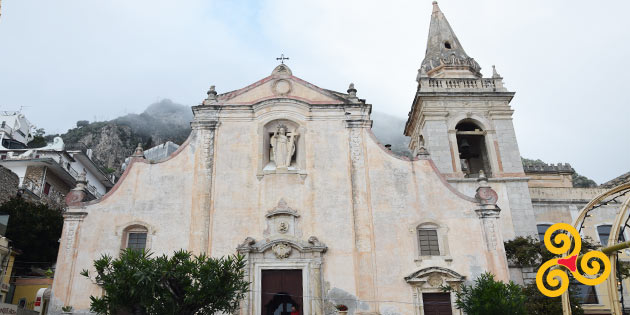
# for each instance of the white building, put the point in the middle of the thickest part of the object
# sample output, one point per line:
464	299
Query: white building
15	130
48	173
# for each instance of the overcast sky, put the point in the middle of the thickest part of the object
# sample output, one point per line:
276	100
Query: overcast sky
69	60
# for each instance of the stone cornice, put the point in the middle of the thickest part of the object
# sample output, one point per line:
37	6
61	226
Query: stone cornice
359	123
74	215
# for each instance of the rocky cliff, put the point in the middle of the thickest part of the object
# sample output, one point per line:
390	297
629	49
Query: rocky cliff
113	141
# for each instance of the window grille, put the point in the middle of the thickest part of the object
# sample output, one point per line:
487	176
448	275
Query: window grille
428	240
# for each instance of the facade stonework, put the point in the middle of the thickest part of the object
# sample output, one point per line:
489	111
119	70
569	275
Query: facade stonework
291	176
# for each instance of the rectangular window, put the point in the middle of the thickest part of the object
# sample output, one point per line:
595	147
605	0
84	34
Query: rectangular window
428	240
542	228
137	241
604	234
46	188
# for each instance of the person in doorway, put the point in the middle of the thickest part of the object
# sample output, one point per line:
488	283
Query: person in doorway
294	311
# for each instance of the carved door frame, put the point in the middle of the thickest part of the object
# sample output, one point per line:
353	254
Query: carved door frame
259	267
285	253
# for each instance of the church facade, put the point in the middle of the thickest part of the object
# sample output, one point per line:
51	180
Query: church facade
290	175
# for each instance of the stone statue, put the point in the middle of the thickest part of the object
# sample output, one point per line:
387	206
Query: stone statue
283	146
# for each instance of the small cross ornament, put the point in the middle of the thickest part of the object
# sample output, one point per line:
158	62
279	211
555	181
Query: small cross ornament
282	58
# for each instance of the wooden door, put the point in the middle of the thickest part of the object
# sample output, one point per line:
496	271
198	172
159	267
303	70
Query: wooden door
281	291
437	303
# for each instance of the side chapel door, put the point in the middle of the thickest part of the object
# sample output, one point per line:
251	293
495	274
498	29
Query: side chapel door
437	303
281	292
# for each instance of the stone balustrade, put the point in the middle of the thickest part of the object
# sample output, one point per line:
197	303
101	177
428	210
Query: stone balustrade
548	168
461	85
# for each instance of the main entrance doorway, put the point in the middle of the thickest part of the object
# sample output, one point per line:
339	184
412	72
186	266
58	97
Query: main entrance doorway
281	292
437	303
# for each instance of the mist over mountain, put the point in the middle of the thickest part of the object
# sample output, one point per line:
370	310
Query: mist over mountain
389	129
113	141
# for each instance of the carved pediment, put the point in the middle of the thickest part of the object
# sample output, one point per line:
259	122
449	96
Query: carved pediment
281	84
282	222
434	277
282	209
282	248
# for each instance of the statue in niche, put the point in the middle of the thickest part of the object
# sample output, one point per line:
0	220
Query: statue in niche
283	147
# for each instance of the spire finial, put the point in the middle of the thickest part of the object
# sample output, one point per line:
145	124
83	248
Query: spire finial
495	74
81	181
445	56
352	91
139	151
436	8
212	93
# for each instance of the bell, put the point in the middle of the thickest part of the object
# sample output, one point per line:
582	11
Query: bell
464	146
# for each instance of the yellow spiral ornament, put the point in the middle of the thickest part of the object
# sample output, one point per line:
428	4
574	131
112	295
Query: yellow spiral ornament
557	278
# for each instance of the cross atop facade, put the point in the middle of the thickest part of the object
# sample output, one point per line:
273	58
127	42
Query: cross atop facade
282	58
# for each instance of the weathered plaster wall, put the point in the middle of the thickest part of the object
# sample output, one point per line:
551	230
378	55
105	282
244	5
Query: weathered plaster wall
154	195
404	195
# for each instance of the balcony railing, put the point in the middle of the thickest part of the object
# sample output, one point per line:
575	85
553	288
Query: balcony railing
94	191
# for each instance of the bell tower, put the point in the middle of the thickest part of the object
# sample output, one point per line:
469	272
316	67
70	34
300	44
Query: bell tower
461	118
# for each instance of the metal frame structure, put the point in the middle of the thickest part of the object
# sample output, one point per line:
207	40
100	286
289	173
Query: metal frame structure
619	225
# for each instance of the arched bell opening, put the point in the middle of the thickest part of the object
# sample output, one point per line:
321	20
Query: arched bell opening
471	144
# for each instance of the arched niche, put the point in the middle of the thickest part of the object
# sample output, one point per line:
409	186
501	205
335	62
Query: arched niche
294	136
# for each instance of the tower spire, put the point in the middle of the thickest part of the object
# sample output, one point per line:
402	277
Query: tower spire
445	56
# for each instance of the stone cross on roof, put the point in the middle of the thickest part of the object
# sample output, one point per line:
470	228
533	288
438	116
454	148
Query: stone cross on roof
282	58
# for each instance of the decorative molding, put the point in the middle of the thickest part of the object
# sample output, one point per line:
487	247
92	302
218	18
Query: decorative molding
281	250
280	209
424	276
250	245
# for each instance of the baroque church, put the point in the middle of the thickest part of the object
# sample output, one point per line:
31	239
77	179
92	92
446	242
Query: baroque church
291	176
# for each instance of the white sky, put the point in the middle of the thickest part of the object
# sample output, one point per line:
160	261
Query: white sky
70	60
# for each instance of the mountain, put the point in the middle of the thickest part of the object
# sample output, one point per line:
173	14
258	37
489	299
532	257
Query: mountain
113	141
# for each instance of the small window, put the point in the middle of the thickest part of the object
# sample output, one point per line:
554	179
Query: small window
428	240
447	45
542	228
586	294
3	157
46	188
604	234
137	241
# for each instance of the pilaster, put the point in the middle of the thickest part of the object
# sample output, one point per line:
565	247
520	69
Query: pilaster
362	216
488	213
66	259
204	127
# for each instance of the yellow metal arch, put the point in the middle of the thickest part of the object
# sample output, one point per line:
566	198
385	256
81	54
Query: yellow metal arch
622	214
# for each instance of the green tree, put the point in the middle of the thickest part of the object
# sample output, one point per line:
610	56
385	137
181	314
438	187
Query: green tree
490	297
37	142
539	304
531	252
182	284
35	230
